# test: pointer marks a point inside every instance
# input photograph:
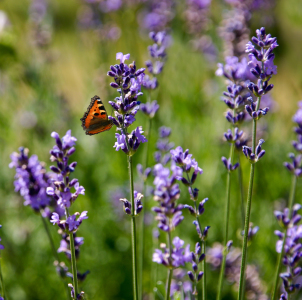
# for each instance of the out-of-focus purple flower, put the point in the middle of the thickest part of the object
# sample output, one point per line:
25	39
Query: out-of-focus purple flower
110	5
40	25
197	21
158	15
179	255
31	179
295	166
163	146
180	284
255	289
235	70
149	108
157	52
65	247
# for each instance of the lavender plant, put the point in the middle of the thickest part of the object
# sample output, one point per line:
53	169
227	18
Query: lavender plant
262	66
169	215
236	73
31	181
295	169
289	246
61	193
128	81
186	163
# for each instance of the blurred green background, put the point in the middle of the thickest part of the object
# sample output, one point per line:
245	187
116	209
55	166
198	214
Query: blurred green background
45	89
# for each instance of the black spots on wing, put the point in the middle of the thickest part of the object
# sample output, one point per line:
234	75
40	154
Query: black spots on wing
96	114
103	113
101	107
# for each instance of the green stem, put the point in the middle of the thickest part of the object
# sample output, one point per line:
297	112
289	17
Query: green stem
142	223
73	261
133	231
204	291
2	282
203	250
248	209
54	252
246	229
241	191
226	225
290	206
168	286
170	271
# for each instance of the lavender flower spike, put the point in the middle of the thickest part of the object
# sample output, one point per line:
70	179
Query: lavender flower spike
61	192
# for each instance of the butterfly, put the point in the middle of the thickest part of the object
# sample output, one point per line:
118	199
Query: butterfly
95	119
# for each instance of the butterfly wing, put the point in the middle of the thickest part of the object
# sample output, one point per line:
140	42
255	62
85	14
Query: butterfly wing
95	119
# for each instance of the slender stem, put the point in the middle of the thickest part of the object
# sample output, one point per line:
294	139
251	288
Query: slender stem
54	252
204	291
73	261
227	215
246	229
290	206
241	191
170	271
74	266
248	208
142	223
2	282
133	231
226	224
203	249
168	286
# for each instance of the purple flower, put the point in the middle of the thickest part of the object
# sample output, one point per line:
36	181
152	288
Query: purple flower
292	247
138	207
120	142
166	193
61	189
235	70
31	179
149	83
184	159
122	57
261	55
149	108
159	15
297	118
128	81
110	5
135	138
179	255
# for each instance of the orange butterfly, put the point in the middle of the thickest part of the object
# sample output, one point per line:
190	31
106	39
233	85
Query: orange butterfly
95	119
